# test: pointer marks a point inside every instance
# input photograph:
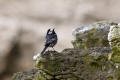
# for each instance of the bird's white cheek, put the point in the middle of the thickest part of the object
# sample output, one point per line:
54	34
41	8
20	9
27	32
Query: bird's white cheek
50	33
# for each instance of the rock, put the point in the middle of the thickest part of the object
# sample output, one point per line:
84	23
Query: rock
114	41
72	64
22	74
94	35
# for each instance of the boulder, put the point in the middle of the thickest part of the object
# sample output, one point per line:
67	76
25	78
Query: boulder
93	35
72	64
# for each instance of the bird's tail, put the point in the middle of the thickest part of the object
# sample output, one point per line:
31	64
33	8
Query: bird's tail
44	50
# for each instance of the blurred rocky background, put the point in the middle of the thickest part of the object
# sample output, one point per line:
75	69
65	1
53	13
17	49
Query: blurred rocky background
23	25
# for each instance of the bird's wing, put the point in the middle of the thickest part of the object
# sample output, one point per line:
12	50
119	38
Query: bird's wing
50	39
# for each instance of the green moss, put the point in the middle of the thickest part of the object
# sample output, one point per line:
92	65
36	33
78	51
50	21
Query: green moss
91	40
114	38
52	62
39	76
72	79
115	45
94	35
116	59
95	64
28	79
110	77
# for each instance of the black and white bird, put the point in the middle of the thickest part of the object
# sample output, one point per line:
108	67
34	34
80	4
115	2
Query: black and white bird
50	39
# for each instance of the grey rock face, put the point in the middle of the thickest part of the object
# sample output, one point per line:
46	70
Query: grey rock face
94	35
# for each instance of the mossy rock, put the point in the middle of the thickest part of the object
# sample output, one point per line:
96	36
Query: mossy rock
73	64
93	35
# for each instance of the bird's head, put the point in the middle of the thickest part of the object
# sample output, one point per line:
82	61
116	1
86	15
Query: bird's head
50	31
53	31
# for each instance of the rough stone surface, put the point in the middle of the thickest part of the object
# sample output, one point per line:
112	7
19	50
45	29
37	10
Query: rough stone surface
73	64
114	41
94	35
